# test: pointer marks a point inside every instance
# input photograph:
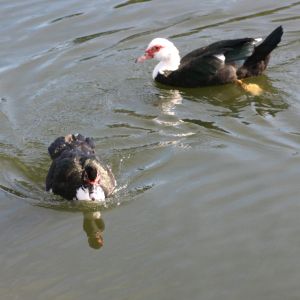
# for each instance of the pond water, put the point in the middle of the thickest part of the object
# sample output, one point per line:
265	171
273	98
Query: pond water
207	205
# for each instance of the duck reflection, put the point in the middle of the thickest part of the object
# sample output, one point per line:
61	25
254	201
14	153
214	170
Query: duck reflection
235	100
93	226
168	100
230	96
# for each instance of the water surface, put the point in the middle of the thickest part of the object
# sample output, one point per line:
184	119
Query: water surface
207	205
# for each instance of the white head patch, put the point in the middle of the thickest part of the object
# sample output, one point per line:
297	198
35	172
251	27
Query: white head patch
161	42
168	56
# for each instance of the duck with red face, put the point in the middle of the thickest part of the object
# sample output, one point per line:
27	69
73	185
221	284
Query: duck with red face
218	63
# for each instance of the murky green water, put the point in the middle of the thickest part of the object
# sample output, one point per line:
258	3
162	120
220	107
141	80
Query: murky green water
208	199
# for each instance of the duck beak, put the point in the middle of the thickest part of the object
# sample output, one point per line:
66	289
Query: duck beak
144	57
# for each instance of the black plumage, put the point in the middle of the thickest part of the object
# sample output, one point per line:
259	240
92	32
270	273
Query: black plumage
75	165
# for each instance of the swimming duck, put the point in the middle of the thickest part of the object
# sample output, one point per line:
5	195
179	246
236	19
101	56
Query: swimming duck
218	63
76	173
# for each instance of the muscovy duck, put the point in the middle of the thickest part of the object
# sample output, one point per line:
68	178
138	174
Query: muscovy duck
76	173
218	63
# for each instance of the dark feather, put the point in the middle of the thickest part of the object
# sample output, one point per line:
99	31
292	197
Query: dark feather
70	155
258	61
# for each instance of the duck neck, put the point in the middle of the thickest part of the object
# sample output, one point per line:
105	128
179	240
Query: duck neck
168	64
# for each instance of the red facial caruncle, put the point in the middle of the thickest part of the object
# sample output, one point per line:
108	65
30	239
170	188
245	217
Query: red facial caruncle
93	182
149	53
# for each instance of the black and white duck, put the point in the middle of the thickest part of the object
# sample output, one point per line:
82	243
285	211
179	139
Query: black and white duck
76	173
222	62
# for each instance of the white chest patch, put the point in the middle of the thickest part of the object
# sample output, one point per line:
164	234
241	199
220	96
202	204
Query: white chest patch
97	194
165	66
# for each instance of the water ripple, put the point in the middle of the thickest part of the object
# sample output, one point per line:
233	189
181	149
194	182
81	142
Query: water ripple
237	19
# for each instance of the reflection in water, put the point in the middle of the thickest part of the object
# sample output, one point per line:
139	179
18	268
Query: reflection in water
169	102
93	225
230	98
234	100
168	99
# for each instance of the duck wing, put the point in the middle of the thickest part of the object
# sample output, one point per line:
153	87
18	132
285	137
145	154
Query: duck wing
233	50
64	177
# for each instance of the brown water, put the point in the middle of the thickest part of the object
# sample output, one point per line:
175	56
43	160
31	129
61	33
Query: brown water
207	205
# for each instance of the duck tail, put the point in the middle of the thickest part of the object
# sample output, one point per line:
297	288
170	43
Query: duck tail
258	61
262	51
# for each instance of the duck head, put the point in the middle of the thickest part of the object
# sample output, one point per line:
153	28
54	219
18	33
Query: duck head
165	52
90	189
